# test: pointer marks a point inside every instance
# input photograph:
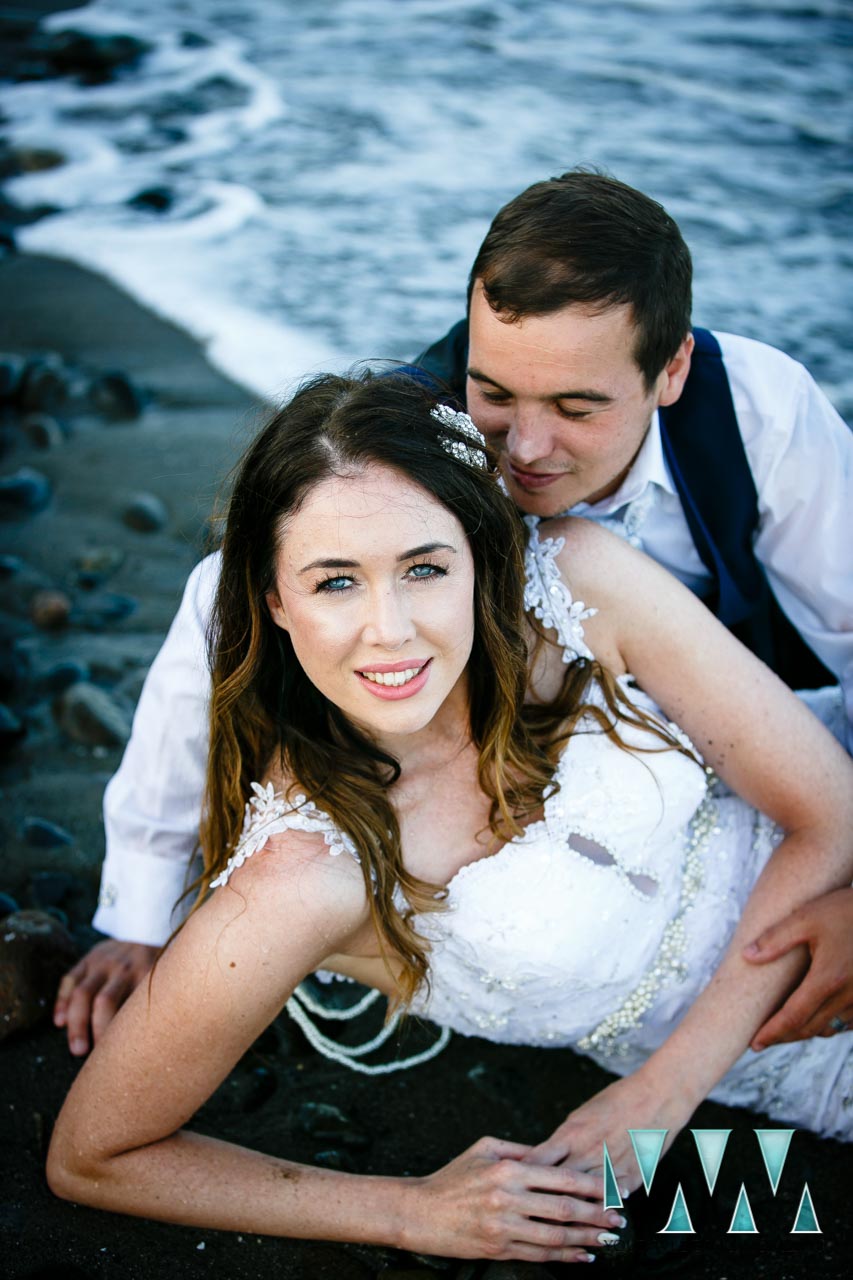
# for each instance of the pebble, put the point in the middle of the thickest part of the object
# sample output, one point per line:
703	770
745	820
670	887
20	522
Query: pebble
101	610
46	384
50	610
146	513
97	564
12	730
43	431
7	905
35	951
116	396
91	55
329	1124
11	374
155	199
42	834
24	492
88	715
62	675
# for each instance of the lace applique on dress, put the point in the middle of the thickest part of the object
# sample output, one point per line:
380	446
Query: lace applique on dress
268	813
548	597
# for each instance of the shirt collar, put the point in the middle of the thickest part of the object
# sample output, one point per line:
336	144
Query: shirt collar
648	468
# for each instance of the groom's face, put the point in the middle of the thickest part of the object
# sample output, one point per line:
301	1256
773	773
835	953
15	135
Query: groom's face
562	399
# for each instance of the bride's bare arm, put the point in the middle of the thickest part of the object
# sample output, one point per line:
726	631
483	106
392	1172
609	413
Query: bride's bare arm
119	1143
774	753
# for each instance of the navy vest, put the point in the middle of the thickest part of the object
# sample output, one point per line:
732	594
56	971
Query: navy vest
709	468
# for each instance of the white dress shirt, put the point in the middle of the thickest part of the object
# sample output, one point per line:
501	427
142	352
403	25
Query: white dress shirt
801	456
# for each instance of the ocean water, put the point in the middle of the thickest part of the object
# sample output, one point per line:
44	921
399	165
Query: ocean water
334	165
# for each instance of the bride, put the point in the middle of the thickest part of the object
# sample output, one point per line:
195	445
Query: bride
495	817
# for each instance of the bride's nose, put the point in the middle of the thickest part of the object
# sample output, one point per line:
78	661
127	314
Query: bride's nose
389	623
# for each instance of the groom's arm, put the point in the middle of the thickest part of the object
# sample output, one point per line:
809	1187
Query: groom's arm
151	817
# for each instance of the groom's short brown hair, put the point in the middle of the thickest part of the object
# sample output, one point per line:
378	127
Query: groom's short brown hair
586	238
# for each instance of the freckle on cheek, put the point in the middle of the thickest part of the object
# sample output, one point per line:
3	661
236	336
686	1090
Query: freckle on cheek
233	964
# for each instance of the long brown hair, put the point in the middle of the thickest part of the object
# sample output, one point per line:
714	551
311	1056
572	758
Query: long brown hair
264	708
263	705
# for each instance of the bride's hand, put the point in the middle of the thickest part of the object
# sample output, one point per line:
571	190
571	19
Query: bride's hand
631	1103
488	1203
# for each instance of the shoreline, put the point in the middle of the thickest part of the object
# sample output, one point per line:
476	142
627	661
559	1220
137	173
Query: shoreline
192	427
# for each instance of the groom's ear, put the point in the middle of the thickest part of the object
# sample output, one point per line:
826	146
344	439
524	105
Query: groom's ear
276	609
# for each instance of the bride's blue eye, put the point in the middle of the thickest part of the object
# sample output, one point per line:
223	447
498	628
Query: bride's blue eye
432	571
334	585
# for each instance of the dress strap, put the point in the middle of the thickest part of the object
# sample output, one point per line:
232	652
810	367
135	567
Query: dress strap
268	813
547	596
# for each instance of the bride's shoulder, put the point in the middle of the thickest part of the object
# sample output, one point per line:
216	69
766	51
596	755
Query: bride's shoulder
586	554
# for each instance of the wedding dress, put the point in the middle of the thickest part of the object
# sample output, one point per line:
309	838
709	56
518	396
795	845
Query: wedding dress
599	926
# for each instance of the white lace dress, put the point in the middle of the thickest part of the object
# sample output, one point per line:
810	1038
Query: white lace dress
598	927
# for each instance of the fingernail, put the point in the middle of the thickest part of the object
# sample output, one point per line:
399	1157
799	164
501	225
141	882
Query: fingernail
616	1220
587	1257
607	1237
624	1192
752	949
78	1046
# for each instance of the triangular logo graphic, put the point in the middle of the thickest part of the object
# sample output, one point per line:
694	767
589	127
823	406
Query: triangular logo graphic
774	1145
612	1198
743	1223
806	1223
711	1143
648	1144
679	1223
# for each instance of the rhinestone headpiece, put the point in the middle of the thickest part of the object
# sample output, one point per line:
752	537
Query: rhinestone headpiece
461	422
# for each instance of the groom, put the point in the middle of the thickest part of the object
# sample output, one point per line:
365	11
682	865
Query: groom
717	455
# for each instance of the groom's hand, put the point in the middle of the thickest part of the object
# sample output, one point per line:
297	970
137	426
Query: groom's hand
824	999
91	993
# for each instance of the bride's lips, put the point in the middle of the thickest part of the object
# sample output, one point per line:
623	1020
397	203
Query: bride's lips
533	479
394	692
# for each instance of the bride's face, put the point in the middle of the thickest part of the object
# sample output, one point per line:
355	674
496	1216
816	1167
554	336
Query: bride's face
375	586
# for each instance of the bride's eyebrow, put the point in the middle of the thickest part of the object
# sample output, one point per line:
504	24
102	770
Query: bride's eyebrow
336	563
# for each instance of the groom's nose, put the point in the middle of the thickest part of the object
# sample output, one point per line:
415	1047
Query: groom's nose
529	436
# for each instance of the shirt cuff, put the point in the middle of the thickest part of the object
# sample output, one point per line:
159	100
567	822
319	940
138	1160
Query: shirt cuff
138	901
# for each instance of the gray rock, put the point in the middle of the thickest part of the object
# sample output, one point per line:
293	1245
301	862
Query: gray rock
24	492
11	374
42	834
35	951
12	730
116	396
96	564
43	431
101	610
90	716
145	512
46	384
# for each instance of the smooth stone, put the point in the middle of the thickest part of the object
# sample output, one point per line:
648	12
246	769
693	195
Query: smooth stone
155	199
24	492
11	374
12	730
116	396
50	610
89	715
17	160
35	951
329	1124
62	675
10	566
43	431
49	889
146	513
100	611
7	905
88	53
46	385
42	834
97	564
333	1159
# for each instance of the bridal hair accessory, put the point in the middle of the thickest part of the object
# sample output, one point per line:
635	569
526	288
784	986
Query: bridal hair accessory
475	456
